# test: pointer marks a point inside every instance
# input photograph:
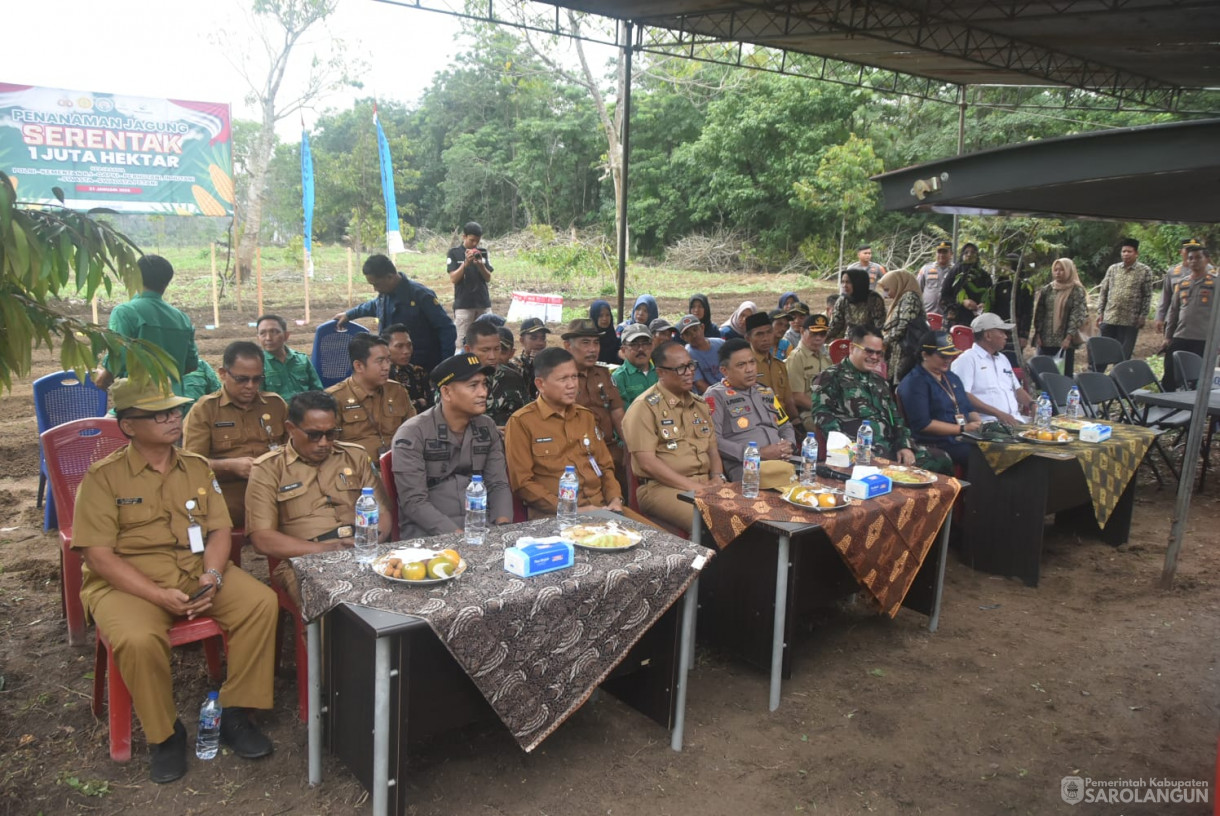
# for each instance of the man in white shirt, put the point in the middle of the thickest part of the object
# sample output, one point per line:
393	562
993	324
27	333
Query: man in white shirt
990	383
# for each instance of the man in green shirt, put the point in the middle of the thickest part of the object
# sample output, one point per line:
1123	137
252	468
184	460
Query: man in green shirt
148	317
637	373
287	372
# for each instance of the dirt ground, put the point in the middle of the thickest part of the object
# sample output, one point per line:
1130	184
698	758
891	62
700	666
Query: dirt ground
1097	673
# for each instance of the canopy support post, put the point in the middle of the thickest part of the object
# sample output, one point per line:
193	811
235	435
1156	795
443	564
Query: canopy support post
624	163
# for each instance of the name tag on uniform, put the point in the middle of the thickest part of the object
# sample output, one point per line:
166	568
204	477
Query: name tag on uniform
545	439
224	425
351	407
596	469
194	534
125	502
293	486
667	422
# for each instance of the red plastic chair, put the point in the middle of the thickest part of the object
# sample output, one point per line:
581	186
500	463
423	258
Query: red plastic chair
839	349
963	337
298	638
633	484
935	321
391	490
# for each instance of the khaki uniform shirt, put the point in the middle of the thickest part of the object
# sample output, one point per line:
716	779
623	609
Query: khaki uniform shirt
598	393
804	366
141	514
291	496
541	440
678	429
433	466
1173	276
1191	307
774	374
370	418
741	417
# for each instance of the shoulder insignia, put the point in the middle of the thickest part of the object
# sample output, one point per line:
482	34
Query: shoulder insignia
698	397
653	399
268	455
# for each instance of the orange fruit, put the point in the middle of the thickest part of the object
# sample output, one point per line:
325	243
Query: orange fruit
452	555
1046	436
826	500
415	571
440	567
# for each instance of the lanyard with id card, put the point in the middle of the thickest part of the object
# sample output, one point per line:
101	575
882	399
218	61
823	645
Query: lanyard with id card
592	458
194	533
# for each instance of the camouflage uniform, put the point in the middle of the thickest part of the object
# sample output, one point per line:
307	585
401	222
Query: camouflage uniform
415	380
524	364
507	393
844	395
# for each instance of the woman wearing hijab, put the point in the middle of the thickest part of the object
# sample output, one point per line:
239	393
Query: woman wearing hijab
906	305
859	306
735	328
788	301
701	308
644	312
1060	313
603	317
966	289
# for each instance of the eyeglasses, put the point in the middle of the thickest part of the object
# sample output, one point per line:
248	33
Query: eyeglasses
682	369
868	352
160	417
316	436
239	379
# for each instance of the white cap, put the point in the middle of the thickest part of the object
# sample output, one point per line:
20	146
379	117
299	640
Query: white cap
989	320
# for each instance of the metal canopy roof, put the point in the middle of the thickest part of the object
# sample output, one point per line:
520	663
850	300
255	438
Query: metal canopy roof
1142	52
1167	172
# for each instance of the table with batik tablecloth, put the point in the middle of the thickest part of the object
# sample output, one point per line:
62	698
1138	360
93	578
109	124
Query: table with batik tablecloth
1015	485
535	648
774	555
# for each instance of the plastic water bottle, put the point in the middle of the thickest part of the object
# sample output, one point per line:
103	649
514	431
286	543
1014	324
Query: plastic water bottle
476	511
1073	407
864	444
751	471
809	460
569	493
368	518
1042	419
207	738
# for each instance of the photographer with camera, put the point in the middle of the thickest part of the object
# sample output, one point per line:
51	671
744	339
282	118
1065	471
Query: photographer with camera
469	270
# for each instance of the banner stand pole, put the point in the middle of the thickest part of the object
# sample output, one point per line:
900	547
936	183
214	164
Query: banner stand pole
258	265
237	285
349	277
306	276
215	295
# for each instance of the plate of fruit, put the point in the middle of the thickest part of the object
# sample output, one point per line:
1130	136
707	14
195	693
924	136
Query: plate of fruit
420	567
1068	424
608	537
1046	436
821	499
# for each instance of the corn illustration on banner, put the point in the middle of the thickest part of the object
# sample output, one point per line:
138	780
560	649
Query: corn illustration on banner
131	154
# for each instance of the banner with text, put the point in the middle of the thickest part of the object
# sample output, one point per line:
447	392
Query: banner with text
131	154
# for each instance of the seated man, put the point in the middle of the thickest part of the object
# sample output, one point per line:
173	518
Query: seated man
371	407
153	530
552	432
437	452
533	340
703	350
805	363
288	372
403	371
597	391
852	391
771	370
236	425
995	393
637	373
301	499
506	391
935	400
668	430
744	412
662	330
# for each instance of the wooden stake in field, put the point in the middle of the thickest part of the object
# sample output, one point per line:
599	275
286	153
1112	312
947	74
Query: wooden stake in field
258	267
215	295
349	301
306	276
237	286
350	255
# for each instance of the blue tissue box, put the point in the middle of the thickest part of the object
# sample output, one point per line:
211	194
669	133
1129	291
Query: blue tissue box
868	487
535	556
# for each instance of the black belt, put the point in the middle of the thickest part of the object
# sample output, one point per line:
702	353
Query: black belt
343	531
642	481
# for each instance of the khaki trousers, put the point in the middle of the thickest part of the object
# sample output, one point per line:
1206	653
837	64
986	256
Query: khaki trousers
662	502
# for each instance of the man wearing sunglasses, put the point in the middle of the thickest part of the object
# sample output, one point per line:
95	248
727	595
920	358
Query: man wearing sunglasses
237	424
302	498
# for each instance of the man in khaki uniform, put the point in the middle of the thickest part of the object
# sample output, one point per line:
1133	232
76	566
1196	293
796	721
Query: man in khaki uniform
805	363
596	391
553	432
236	425
771	370
301	499
153	530
371	405
668	430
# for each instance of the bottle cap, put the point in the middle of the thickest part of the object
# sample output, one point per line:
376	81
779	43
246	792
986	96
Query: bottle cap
213	695
476	478
366	491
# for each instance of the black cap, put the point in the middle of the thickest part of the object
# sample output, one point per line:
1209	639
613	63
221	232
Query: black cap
817	324
757	320
506	338
939	342
533	325
458	368
798	309
493	319
581	328
945	245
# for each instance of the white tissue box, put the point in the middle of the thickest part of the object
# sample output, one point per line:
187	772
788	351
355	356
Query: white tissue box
1095	433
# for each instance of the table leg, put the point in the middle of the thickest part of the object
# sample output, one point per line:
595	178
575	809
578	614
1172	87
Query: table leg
781	614
943	547
696	537
690	603
313	648
381	727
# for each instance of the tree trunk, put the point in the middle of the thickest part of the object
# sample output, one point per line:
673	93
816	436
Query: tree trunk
842	237
256	196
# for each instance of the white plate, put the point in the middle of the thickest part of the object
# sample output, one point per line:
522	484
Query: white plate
590	531
845	501
926	479
409	554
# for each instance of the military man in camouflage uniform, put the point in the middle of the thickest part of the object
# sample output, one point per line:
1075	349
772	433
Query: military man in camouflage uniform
853	391
533	340
744	412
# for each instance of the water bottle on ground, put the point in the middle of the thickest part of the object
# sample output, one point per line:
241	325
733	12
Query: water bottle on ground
1042	419
864	444
476	511
1073	407
751	471
368	519
569	492
809	460
207	738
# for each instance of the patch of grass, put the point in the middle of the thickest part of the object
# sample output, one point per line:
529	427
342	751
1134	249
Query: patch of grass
86	787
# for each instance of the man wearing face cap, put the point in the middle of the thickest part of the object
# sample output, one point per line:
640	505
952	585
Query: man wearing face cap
436	453
771	371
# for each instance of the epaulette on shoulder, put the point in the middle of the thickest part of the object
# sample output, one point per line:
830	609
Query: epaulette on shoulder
269	454
653	399
698	397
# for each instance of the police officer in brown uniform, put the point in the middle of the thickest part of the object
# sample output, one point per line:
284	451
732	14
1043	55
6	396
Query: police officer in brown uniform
153	530
597	391
745	411
771	370
301	499
437	452
371	405
668	430
236	425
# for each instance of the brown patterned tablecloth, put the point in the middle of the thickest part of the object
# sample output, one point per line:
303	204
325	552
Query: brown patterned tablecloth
535	647
1108	466
883	540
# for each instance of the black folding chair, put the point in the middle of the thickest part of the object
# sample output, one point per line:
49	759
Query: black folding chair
1057	387
1187	369
1041	364
1131	376
1100	397
1104	352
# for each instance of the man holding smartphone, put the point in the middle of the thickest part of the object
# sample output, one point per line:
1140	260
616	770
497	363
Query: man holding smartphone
469	271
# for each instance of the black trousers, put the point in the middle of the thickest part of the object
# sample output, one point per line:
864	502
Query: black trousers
1123	334
1170	381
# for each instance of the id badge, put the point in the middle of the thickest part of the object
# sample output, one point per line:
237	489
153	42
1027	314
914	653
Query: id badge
596	469
194	534
960	418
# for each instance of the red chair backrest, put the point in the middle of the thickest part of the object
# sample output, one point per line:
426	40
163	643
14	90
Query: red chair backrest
70	449
839	350
963	337
387	479
935	321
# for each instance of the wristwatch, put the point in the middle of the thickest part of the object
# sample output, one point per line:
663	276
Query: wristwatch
220	581
721	477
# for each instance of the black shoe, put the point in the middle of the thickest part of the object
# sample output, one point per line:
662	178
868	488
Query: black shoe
168	759
241	735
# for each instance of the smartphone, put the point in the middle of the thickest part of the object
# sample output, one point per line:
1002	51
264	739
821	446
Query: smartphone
205	589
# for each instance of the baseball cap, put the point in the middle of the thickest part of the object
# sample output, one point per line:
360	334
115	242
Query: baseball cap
686	322
458	368
146	396
818	323
941	343
989	320
798	309
533	325
944	245
581	328
493	319
634	331
660	324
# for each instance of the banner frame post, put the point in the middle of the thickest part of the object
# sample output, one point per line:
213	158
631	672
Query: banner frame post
350	257
258	267
215	294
